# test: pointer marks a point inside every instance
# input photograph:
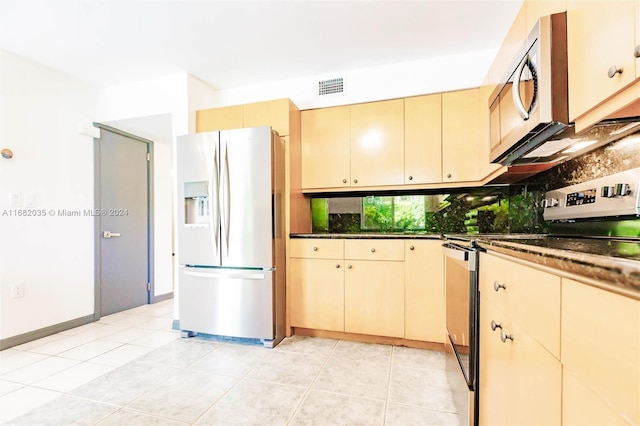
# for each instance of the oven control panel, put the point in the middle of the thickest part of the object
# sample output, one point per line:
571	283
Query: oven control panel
614	195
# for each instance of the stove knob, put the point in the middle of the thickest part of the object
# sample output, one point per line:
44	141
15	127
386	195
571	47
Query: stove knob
551	202
608	191
623	189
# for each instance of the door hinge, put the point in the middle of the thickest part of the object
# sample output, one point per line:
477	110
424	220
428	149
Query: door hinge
148	286
148	156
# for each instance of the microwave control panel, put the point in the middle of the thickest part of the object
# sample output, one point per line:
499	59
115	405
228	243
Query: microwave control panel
613	195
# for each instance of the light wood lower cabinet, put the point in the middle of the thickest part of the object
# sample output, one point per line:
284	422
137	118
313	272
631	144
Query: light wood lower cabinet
317	297
391	288
601	348
374	298
520	370
317	284
582	407
520	381
590	377
424	291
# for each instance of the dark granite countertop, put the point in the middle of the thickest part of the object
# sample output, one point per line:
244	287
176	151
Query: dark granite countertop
372	236
614	263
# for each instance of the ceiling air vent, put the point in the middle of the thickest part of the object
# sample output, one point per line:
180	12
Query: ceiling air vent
331	86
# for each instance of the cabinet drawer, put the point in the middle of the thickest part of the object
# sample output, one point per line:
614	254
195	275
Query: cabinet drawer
529	296
309	248
374	249
601	344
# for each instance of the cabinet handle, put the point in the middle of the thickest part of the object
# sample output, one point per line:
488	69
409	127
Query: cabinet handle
614	70
349	266
504	336
636	52
448	175
373	250
355	181
495	325
497	286
411	247
410	177
315	249
337	266
344	181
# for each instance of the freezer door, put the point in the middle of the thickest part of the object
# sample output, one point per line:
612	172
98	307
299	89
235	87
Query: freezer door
197	177
246	197
227	302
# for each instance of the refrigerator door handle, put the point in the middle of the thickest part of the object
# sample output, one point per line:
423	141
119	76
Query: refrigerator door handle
234	274
226	199
214	195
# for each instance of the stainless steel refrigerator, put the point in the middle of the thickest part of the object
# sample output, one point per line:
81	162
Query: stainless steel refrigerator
230	243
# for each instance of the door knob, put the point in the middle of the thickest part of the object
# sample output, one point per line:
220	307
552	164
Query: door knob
109	234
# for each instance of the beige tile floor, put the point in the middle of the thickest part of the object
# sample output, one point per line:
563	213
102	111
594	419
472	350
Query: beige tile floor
131	368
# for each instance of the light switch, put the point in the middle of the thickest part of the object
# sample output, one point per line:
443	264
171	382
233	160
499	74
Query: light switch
15	199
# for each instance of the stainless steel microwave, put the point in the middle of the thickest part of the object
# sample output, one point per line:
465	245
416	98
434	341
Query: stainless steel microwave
530	105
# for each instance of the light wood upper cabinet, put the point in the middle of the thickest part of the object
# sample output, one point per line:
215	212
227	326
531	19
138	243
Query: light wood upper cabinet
461	136
273	113
423	139
326	157
601	346
208	120
377	143
535	9
600	36
424	290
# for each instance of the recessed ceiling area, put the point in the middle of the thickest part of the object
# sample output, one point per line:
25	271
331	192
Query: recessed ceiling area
230	44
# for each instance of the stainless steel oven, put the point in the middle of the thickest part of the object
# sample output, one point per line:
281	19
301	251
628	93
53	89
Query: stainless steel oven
462	314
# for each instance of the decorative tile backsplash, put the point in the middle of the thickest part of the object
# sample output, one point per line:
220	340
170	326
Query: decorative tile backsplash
516	208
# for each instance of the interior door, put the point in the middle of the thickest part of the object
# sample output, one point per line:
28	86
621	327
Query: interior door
122	214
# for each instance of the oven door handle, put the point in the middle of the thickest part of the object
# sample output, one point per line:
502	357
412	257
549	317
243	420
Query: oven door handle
457	251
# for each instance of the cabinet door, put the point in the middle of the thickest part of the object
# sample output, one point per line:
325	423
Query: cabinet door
514	372
377	143
224	118
601	344
534	375
317	294
461	136
423	139
374	298
495	361
325	148
269	113
582	407
600	35
424	291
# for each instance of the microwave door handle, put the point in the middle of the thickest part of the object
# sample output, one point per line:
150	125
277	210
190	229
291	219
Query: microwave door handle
517	101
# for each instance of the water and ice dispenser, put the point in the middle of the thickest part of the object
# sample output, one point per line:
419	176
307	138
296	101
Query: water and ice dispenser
196	203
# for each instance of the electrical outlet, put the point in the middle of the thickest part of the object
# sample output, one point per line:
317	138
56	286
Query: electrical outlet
17	290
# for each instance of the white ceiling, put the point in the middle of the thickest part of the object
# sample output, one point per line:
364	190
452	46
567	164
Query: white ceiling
243	43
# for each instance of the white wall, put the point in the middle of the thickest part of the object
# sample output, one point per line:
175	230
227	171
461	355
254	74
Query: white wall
52	256
372	84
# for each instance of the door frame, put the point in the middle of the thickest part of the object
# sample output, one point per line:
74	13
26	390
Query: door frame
98	223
